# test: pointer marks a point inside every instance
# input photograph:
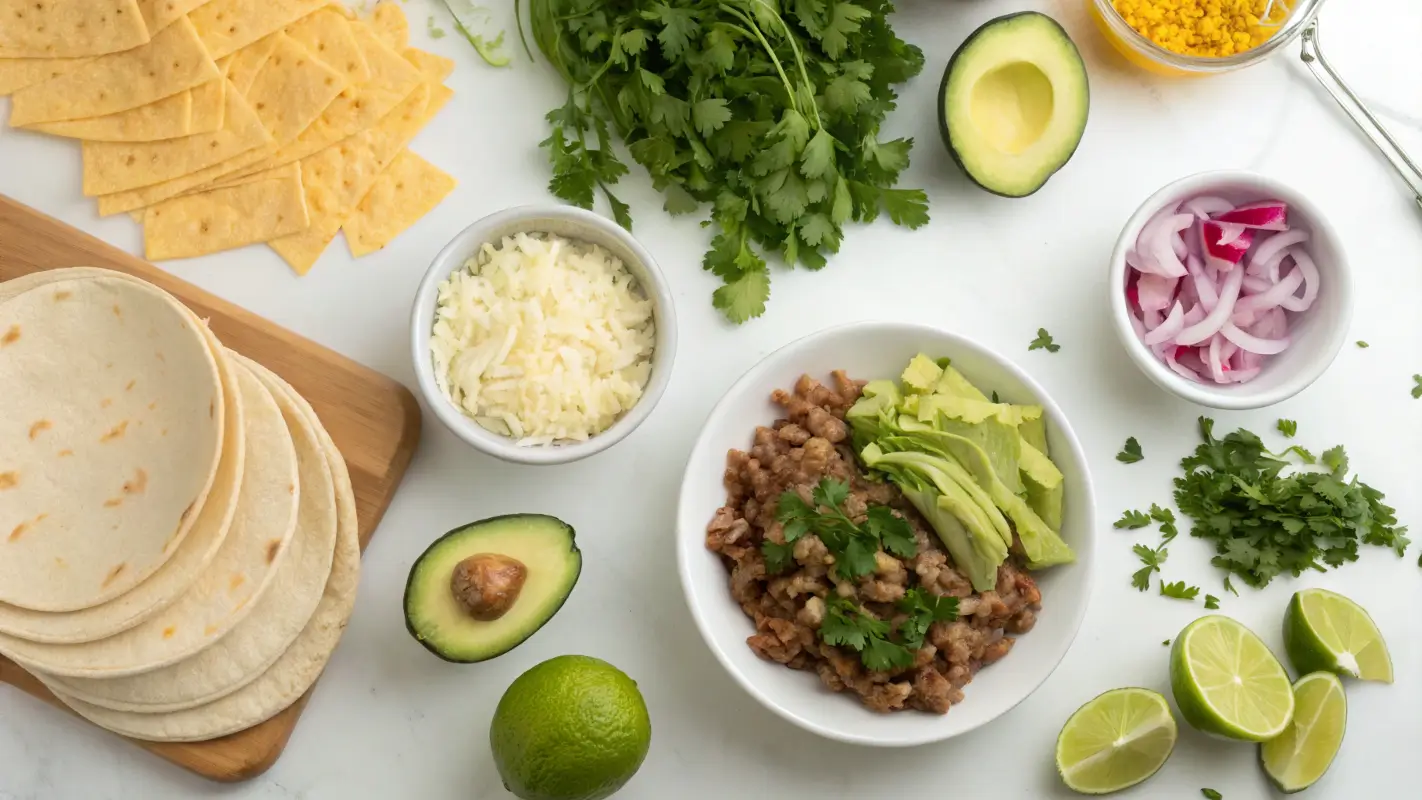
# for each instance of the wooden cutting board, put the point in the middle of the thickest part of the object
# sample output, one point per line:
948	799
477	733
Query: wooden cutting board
374	421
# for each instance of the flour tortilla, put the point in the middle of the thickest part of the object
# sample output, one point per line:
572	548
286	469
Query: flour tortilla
111	443
278	618
191	556
227	590
286	680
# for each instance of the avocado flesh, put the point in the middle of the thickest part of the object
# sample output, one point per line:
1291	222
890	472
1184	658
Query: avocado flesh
1014	102
543	544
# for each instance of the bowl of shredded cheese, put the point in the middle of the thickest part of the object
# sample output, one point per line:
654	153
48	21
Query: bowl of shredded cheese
543	334
1200	37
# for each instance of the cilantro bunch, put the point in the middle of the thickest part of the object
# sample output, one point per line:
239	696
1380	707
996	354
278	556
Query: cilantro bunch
1267	514
768	110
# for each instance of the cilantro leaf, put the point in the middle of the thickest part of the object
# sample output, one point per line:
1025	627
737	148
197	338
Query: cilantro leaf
1211	602
1132	520
830	493
923	610
907	207
1140	579
743	298
1179	590
1131	453
843	625
1230	587
995	399
1166	518
1417	387
679	26
1362	344
1211	794
1287	427
893	531
882	655
844	20
1165	643
1044	342
777	556
1152	558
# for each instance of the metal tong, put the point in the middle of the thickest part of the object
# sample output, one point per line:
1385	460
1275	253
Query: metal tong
1357	111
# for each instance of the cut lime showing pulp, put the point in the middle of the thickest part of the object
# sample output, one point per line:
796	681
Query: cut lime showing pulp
1227	683
1326	631
1302	753
1115	741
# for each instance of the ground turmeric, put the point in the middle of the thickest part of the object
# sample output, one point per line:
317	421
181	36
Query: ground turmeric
1210	28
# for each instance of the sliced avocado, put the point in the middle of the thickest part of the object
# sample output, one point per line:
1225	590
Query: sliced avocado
921	375
1034	432
1043	482
954	384
1013	103
482	589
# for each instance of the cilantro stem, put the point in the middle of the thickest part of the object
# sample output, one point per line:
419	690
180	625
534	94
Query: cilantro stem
770	51
518	23
799	60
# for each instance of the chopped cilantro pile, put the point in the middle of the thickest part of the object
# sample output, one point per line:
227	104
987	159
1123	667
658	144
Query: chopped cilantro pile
1265	519
768	111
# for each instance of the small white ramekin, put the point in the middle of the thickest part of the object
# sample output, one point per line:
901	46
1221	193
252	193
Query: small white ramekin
1318	333
571	223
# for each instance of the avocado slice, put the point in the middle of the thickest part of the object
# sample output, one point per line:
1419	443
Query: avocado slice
484	588
1013	103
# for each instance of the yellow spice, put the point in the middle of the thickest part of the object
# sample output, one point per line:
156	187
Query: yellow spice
1204	27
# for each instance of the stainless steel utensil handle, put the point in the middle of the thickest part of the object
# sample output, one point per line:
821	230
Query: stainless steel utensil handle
1357	111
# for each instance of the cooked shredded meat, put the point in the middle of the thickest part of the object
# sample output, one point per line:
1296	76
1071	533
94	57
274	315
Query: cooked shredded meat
811	443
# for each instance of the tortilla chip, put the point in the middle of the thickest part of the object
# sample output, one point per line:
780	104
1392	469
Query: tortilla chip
292	89
69	28
175	60
358	108
17	73
434	68
225	218
159	14
406	191
111	167
248	62
209	102
228	25
389	23
328	35
337	177
169	118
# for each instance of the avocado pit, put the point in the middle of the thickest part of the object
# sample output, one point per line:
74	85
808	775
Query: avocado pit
488	584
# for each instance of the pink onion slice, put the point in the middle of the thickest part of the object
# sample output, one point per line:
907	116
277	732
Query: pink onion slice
1270	215
1255	285
1221	255
1243	375
1167	329
1273	246
1180	369
1254	344
1158	242
1214	360
1229	234
1204	287
1207	206
1217	318
1303	264
1195	314
1154	292
1249	307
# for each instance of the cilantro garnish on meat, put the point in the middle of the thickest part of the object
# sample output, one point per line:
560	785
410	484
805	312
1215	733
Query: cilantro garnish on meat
852	544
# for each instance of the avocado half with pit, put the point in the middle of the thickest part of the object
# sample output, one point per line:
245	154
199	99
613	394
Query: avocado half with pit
1013	103
482	589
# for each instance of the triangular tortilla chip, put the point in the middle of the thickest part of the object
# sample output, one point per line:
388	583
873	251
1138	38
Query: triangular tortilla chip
407	190
69	28
225	218
228	25
329	37
159	14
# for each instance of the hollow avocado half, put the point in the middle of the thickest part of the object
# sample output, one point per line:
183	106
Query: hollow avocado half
1013	103
438	612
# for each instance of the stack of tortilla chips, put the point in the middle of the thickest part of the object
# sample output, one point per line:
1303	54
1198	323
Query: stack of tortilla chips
220	123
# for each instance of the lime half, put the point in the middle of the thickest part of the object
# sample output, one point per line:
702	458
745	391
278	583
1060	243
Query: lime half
1227	683
1302	753
1326	631
1114	741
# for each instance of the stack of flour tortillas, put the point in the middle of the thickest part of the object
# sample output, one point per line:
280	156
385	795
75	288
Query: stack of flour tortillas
178	542
221	123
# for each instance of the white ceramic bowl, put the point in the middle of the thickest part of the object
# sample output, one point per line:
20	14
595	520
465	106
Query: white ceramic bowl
570	223
1318	334
870	350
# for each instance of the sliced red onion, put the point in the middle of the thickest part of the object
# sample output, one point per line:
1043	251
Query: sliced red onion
1304	265
1177	243
1270	215
1141	264
1229	234
1254	344
1137	325
1204	287
1167	330
1255	285
1248	308
1222	255
1219	316
1180	369
1195	314
1272	246
1207	206
1242	375
1151	318
1228	350
1213	359
1154	292
1157	241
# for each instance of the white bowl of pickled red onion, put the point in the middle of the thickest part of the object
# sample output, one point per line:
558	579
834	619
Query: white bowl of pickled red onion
1231	290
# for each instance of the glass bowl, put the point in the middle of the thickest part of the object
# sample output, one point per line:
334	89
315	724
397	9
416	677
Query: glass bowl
1152	57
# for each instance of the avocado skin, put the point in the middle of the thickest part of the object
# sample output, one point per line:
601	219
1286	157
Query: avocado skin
943	93
434	546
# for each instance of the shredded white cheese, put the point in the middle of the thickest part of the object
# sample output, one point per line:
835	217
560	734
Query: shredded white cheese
543	339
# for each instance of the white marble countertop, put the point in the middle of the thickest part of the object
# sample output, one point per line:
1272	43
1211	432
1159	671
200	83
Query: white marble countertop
389	720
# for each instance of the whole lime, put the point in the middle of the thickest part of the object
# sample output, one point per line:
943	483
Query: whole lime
571	728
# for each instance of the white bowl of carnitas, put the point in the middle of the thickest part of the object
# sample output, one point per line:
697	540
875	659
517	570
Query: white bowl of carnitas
543	334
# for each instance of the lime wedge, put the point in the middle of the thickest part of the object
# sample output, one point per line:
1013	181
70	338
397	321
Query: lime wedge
1302	753
1326	631
1227	683
1114	741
